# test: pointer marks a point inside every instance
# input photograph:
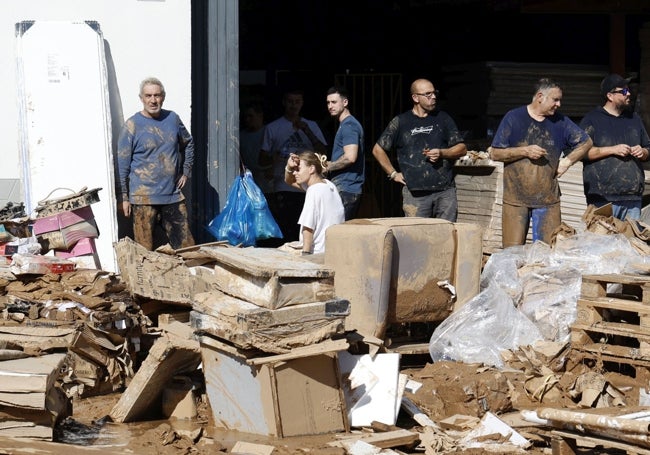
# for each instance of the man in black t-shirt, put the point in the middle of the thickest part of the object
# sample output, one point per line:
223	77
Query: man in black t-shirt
426	143
612	170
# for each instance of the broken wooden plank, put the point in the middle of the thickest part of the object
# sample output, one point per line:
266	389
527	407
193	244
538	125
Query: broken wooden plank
277	331
179	329
459	422
382	440
167	358
417	415
307	351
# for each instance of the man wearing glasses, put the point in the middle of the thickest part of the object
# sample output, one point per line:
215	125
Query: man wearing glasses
612	171
426	142
537	145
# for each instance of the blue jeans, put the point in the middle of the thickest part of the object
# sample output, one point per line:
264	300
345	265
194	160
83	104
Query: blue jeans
351	203
515	221
624	209
430	204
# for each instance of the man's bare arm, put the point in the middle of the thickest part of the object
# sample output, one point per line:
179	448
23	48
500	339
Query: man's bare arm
382	158
510	154
454	152
579	152
349	157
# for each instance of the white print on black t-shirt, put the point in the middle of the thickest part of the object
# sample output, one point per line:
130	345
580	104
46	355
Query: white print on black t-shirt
422	130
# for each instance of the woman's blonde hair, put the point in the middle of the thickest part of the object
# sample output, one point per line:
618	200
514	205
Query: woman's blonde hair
318	160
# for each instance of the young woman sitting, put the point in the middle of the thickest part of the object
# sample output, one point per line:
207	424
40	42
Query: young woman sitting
323	207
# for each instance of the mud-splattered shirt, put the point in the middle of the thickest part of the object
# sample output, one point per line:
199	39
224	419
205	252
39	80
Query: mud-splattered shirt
152	154
614	178
533	183
409	135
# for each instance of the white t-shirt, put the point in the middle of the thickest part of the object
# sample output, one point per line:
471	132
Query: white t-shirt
323	208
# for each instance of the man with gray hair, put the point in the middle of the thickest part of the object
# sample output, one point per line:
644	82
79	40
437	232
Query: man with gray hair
537	144
155	154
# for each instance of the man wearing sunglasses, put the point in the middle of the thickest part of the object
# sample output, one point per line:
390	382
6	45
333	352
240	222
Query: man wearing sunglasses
612	170
426	142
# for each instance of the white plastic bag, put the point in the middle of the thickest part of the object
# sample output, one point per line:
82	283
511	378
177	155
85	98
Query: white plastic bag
481	329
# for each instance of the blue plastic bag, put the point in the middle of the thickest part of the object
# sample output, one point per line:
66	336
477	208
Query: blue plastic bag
246	217
263	221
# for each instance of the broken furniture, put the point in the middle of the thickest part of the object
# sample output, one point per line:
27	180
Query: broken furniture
277	397
266	302
403	270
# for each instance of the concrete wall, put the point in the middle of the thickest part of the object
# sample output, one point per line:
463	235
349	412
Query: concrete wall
142	38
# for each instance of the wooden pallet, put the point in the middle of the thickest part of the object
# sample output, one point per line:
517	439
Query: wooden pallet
614	327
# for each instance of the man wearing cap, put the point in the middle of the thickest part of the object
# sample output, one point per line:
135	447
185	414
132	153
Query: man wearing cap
613	169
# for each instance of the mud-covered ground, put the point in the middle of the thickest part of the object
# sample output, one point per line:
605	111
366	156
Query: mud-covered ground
448	388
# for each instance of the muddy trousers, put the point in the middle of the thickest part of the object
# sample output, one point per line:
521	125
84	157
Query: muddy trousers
172	218
516	220
431	204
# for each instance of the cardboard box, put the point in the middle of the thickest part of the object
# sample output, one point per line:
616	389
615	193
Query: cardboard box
248	326
204	278
62	220
269	277
408	269
72	202
37	264
153	275
27	245
295	397
63	230
468	262
161	276
83	254
81	248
